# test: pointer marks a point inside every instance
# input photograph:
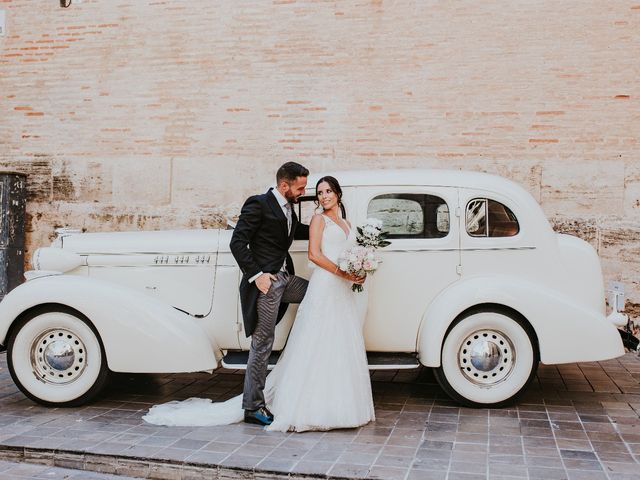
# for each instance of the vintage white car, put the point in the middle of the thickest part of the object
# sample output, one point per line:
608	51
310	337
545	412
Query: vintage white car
475	284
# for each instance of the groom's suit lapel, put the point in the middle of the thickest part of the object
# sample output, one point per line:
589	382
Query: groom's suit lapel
277	209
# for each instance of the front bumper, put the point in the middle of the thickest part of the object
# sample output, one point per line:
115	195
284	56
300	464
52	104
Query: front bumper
618	319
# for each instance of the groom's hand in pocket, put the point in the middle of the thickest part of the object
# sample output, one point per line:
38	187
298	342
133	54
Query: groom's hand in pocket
263	282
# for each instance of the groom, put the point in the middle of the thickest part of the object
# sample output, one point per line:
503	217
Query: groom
260	244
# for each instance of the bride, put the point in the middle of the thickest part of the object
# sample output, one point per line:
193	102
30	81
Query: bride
321	380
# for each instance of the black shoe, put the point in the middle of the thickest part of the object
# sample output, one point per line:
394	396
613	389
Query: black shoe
261	416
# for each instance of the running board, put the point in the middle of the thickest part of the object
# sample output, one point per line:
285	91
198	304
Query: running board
392	361
237	360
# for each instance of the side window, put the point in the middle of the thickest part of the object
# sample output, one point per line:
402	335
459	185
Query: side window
410	215
488	218
306	208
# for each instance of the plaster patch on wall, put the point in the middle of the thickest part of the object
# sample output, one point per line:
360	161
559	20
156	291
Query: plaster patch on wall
586	229
620	253
632	309
632	189
63	188
82	181
38	176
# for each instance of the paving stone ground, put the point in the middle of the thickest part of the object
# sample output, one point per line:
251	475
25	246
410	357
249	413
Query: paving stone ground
576	421
24	471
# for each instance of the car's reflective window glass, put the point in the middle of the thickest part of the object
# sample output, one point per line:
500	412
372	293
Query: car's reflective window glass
442	218
411	215
487	218
305	209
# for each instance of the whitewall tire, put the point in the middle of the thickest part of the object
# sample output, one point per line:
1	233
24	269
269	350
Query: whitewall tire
488	359
56	358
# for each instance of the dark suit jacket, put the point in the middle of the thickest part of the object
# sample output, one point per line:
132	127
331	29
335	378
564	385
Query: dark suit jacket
260	242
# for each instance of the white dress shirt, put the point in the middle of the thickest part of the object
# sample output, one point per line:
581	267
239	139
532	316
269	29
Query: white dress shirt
283	205
282	202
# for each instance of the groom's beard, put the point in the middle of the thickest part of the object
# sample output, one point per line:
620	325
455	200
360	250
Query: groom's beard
292	199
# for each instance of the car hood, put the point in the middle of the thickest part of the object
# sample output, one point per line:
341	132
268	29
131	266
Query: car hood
165	241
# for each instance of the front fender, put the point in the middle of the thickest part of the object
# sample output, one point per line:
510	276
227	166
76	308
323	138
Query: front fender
567	332
140	334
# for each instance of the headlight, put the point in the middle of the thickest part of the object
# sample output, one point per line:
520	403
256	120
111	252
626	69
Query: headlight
55	259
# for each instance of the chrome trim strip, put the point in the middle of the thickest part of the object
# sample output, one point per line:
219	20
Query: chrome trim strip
496	248
403	250
200	252
406	250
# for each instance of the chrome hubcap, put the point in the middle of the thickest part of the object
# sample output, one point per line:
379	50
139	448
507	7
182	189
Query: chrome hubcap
58	356
486	357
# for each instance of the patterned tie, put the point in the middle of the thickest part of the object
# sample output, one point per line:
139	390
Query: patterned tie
288	215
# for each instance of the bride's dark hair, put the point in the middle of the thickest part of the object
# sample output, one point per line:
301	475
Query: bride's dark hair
335	186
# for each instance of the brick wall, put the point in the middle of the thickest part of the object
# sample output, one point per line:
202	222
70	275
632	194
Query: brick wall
166	114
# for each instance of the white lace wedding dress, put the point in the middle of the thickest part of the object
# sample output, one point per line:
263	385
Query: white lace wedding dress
321	380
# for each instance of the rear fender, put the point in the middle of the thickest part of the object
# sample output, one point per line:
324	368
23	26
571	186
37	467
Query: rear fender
566	331
140	334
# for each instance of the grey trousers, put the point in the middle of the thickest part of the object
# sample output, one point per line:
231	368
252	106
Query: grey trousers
288	289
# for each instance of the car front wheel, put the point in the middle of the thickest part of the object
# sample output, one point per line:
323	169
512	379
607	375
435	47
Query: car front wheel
55	357
488	359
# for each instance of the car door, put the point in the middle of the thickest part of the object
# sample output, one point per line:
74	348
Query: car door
304	209
422	260
494	240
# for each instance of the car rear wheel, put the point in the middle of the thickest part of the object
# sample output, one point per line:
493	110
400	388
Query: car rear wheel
488	359
56	358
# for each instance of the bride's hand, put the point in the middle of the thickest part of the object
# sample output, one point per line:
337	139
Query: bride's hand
353	278
359	280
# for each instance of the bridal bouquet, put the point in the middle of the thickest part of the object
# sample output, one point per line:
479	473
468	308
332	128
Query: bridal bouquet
362	259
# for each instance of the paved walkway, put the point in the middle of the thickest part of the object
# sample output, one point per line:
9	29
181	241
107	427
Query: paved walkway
577	421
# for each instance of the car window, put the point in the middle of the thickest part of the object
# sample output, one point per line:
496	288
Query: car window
411	215
306	208
488	218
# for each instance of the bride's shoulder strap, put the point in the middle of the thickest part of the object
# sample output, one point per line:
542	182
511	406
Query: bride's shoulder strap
318	217
327	218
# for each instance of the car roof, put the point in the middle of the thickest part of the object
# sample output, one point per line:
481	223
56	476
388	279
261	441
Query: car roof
411	176
521	202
